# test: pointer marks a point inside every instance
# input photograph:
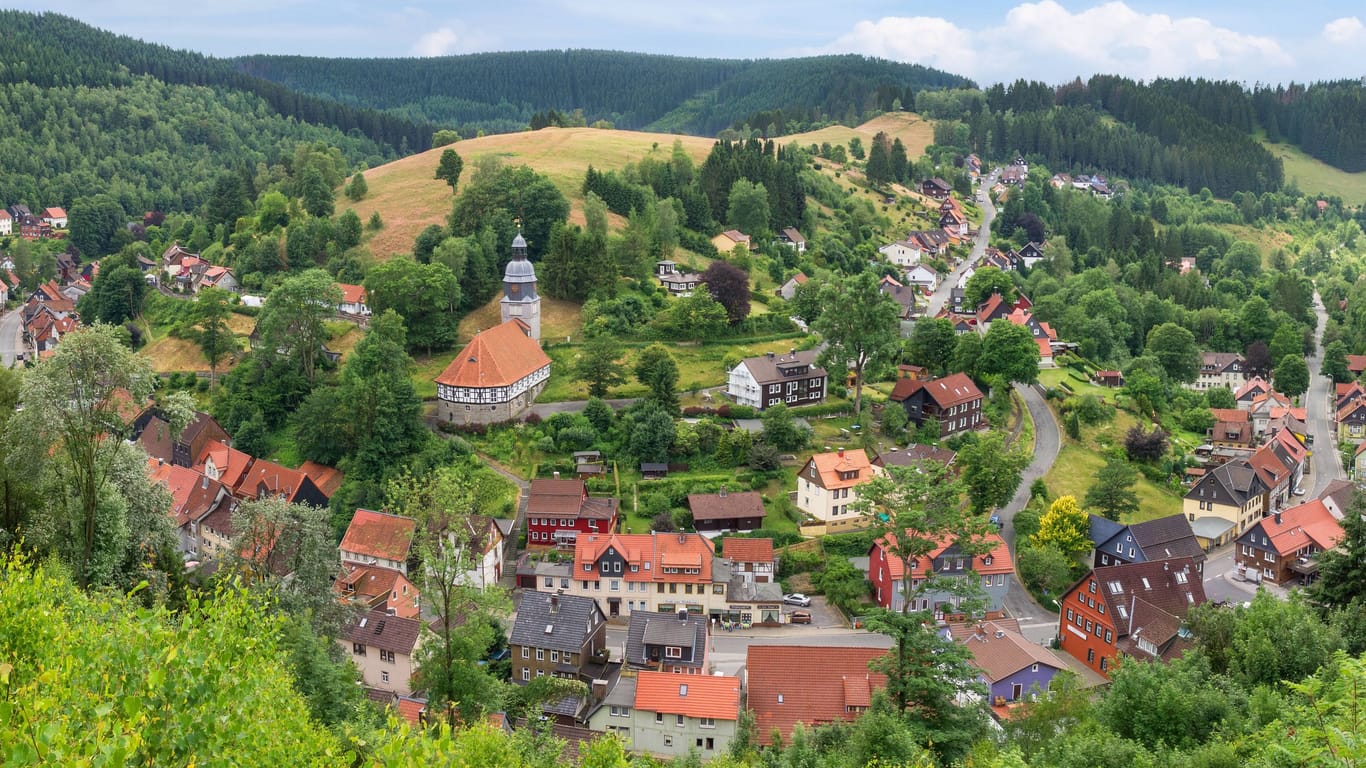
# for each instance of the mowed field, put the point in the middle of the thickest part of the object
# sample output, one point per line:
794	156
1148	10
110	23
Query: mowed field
1312	175
914	131
409	197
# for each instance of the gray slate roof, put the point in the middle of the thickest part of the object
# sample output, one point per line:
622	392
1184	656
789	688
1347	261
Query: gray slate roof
1167	537
389	633
570	624
766	370
665	629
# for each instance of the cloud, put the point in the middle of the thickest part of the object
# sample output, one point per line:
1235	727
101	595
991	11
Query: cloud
1045	41
1344	30
440	42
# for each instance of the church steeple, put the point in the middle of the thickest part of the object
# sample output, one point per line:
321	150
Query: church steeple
520	299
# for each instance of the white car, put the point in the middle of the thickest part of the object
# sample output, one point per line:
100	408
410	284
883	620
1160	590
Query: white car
797	598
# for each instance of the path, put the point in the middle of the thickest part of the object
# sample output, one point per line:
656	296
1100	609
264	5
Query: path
979	249
11	344
1327	461
1037	622
574	406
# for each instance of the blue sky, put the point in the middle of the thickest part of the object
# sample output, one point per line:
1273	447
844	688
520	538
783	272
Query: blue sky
989	41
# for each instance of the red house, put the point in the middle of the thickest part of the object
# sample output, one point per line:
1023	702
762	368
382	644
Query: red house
1135	609
559	510
993	567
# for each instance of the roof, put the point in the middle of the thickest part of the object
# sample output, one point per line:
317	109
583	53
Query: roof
559	622
1000	651
1254	385
1356	363
267	478
742	550
230	463
666	629
1299	526
1218	362
993	306
55	213
1230	414
766	369
793	235
995	560
378	588
389	633
913	454
831	680
568	498
830	468
328	479
497	357
1231	483
1171	586
352	294
379	534
193	495
715	696
735	235
1167	537
947	392
725	506
653	553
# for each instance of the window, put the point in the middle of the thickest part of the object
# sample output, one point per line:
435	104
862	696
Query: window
540	654
1069	614
615	585
706	722
678	720
384	677
1109	637
673	652
659	718
1104	662
554	655
358	649
718	589
1034	667
1090	656
526	675
526	652
1091	587
386	657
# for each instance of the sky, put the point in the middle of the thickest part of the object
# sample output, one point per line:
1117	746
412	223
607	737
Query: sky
987	40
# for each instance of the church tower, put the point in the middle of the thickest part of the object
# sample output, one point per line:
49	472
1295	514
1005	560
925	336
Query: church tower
520	299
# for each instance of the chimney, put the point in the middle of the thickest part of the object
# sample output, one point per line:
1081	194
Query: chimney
682	615
792	351
840	453
1278	517
204	482
599	689
557	474
769	354
554	604
722	494
682	537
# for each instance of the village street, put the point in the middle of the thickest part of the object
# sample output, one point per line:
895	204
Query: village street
979	249
10	342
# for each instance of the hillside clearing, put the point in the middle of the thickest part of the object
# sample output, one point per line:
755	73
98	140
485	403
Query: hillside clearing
1315	176
914	131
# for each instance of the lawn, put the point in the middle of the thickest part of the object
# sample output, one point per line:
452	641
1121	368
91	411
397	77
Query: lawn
915	133
1313	175
1052	377
1075	471
172	355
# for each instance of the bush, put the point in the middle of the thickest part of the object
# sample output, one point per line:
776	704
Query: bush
854	544
800	561
823	409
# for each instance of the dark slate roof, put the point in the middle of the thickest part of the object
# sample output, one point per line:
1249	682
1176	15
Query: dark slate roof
570	624
389	633
1103	529
664	629
1169	587
1167	537
767	370
1230	484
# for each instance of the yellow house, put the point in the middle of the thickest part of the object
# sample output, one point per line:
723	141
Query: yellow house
726	241
1225	502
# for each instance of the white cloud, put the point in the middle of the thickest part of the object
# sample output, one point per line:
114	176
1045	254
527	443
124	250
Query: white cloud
440	42
1345	30
1043	40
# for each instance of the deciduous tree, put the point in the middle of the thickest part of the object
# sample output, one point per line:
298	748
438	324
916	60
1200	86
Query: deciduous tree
863	335
292	320
984	282
1176	351
449	168
599	365
1064	526
656	369
216	339
729	285
1291	375
425	295
1009	351
991	473
932	344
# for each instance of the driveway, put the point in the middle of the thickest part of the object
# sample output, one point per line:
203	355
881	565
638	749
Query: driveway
979	248
1327	463
10	342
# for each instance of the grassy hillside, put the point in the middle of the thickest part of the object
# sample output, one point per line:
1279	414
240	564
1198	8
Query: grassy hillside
1316	176
914	131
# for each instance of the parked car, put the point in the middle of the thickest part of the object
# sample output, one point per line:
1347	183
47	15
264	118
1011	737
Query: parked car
799	617
797	598
996	521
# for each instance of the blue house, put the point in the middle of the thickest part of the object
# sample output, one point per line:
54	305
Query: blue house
1149	541
1010	664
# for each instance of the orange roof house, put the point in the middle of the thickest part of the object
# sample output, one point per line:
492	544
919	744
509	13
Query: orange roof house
886	570
222	462
813	685
700	696
378	538
1282	548
268	479
495	377
375	587
327	479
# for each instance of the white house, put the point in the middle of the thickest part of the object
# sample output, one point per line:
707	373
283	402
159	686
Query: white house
967	275
903	253
793	379
378	538
55	218
922	276
487	537
827	487
6	223
353	300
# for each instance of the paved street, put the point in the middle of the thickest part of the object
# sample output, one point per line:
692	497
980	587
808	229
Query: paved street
979	249
1036	623
10	342
1327	462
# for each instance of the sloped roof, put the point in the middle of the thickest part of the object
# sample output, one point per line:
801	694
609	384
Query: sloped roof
725	505
1356	363
1001	652
913	454
1299	526
946	392
1253	386
829	466
379	534
497	357
767	369
812	681
390	633
327	479
1231	414
352	294
651	628
560	622
231	463
1167	537
653	552
689	695
1218	362
193	495
742	550
1173	586
267	478
995	560
378	587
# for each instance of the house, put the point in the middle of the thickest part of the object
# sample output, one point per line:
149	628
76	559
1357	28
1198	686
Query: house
193	498
353	300
378	589
266	479
6	224
994	308
495	378
1014	175
1263	406
556	635
216	277
1282	548
152	430
886	571
1359	462
790	237
382	648
726	511
903	253
55	218
913	455
922	278
1357	365
834	685
221	461
661	572
931	242
559	511
751	559
667	642
487	537
728	240
788	290
33	228
903	295
1226	501
953	221
678	282
1109	378
1338	496
1351	420
793	379
1130	610
954	401
1231	434
1031	254
379	539
827	487
1161	539
327	479
674	715
936	188
1221	369
1043	334
1011	665
1255	387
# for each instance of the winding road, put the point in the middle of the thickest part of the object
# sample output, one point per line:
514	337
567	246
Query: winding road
979	249
10	342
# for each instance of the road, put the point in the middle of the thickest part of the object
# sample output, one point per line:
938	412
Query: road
1036	623
574	406
979	249
1327	462
10	342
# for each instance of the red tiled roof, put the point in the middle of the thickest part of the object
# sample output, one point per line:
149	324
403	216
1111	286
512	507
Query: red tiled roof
352	294
231	463
999	553
689	695
497	357
716	506
1230	414
1356	363
377	534
328	479
55	213
1000	651
951	390
1301	525
814	685
378	588
990	306
266	478
192	494
829	467
653	553
740	550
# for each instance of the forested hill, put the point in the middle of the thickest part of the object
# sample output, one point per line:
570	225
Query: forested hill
501	92
52	51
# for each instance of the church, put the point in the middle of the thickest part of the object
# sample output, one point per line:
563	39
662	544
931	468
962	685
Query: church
498	375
